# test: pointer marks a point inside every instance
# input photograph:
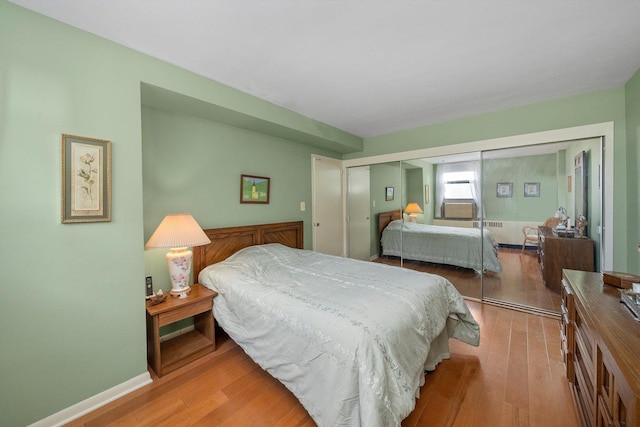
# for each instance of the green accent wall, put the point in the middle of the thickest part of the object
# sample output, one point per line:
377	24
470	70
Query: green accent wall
381	176
70	291
415	188
191	164
518	171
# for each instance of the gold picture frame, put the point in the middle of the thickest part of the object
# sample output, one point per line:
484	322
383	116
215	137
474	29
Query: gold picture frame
86	179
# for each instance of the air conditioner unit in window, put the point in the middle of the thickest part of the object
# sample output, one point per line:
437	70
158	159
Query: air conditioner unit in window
458	210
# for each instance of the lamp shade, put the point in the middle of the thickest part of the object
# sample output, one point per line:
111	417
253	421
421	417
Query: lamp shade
178	231
413	208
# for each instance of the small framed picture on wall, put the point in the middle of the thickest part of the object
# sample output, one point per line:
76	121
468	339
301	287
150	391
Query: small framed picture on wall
504	189
531	189
388	193
86	179
254	189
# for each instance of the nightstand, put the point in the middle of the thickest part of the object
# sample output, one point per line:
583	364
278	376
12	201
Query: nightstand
169	355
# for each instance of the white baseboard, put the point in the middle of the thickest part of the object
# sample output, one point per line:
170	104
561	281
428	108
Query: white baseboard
79	409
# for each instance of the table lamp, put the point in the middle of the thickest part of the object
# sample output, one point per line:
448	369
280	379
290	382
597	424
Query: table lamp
412	209
178	232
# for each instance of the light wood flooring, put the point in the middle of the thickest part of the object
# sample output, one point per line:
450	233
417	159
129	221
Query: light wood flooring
520	281
514	378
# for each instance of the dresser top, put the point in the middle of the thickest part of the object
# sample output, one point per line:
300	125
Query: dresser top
615	324
547	232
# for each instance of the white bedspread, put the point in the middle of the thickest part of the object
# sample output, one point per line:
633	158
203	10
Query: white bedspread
443	245
349	338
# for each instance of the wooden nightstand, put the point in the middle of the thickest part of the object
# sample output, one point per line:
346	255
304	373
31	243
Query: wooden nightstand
174	353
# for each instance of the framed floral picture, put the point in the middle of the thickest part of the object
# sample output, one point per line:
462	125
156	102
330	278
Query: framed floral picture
531	189
504	189
86	179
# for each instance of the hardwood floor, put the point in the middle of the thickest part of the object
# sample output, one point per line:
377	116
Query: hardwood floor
514	378
520	281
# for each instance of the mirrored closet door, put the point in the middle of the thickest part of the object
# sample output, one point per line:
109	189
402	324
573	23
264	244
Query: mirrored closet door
476	218
529	195
442	207
425	215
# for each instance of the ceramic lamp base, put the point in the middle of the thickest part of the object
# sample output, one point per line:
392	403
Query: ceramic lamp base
179	262
181	293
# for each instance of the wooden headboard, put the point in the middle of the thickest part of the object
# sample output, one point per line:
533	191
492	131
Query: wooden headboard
227	241
384	218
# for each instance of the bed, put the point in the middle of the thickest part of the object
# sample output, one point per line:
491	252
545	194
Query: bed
351	339
456	246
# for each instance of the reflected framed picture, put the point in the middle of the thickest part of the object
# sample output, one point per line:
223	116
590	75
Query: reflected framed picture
86	179
531	189
504	189
254	189
388	193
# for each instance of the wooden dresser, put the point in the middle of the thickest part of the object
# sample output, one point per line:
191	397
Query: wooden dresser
556	253
601	350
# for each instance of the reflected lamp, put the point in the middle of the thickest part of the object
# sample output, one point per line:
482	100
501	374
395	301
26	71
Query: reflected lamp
178	232
412	209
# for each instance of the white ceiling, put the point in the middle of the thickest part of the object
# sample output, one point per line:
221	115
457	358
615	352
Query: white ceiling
374	67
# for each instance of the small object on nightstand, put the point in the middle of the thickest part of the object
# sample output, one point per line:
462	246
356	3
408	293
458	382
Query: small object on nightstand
158	298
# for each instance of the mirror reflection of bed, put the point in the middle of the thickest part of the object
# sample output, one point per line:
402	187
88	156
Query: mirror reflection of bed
517	280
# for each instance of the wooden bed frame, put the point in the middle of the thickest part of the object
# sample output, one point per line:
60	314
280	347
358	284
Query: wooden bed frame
227	241
384	218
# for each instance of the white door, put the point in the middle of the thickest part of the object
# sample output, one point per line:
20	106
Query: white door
328	212
358	213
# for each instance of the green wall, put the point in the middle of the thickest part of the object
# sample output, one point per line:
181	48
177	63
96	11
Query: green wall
381	176
518	171
415	188
70	291
201	175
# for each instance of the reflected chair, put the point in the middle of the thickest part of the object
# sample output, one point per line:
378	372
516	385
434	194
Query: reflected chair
531	233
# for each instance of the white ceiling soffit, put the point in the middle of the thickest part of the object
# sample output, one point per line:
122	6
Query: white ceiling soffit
374	67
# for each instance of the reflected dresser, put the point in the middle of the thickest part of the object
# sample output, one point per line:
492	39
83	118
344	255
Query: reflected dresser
556	253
